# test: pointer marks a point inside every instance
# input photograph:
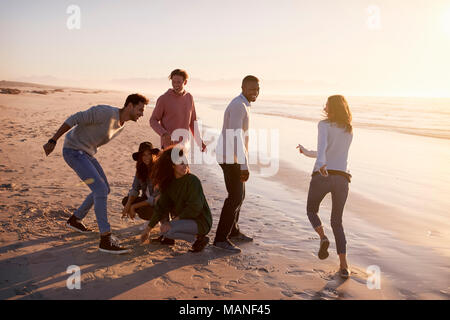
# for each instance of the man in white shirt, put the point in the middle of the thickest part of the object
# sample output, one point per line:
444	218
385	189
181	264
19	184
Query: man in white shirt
232	156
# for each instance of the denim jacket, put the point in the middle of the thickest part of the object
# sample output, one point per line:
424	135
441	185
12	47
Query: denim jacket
139	185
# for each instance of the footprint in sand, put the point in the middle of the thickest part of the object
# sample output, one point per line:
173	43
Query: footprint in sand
305	295
288	294
249	277
324	275
407	294
216	289
232	286
7	186
203	269
299	272
262	271
328	293
197	277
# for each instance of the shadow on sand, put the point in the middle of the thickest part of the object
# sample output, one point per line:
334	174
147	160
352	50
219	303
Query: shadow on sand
35	273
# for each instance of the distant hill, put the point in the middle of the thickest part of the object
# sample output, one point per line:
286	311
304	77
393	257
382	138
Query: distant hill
17	84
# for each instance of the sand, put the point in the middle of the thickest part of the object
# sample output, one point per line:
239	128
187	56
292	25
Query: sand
38	194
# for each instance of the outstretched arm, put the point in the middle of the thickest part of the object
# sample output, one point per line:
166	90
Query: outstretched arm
91	116
306	152
50	146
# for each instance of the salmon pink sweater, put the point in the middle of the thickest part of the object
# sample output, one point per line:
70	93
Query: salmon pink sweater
174	111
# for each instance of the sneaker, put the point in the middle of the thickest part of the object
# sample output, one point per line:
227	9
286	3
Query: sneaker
323	251
227	245
241	237
344	273
73	224
163	240
200	243
110	244
167	241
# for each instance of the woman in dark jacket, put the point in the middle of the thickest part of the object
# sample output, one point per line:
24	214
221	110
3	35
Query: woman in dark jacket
182	198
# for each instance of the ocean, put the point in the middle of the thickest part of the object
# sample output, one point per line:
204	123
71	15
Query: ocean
399	156
416	116
398	206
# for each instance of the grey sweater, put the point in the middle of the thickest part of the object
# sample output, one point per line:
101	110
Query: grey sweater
93	128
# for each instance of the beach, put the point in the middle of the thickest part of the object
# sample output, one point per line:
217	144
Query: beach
405	234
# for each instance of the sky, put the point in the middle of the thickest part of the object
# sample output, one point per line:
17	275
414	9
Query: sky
359	47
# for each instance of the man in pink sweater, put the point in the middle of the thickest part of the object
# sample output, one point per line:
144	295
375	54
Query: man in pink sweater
175	109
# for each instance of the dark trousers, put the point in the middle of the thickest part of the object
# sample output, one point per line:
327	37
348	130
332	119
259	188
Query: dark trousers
318	189
229	217
145	213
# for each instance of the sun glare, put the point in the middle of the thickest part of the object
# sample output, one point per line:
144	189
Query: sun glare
446	21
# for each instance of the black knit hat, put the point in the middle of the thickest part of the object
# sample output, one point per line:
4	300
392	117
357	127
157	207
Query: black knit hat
144	146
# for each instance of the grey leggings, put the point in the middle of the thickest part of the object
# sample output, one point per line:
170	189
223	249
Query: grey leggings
318	189
184	229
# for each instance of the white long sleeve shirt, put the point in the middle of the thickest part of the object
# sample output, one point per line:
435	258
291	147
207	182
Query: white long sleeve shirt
232	146
333	145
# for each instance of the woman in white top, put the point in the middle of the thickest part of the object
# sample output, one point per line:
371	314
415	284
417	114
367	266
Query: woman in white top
330	174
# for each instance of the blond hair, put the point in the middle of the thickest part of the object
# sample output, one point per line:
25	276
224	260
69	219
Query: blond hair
339	112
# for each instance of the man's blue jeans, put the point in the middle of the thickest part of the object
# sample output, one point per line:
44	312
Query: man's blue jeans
90	171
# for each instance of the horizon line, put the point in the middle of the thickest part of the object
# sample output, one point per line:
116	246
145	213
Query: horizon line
123	89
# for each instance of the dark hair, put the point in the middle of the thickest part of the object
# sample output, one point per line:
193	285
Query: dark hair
135	98
339	112
248	79
162	173
179	72
143	171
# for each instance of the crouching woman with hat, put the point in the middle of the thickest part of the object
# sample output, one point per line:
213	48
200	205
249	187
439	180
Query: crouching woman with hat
143	195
